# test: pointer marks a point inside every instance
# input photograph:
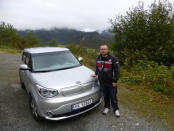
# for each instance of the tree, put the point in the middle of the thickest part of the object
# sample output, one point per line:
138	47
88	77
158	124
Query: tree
10	37
7	34
53	42
32	40
145	33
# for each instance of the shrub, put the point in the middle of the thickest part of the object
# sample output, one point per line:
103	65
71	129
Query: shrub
172	71
158	77
158	87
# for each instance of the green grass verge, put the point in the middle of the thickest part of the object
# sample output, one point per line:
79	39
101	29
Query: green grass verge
7	49
149	104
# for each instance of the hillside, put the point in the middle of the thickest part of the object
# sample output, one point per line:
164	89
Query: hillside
66	36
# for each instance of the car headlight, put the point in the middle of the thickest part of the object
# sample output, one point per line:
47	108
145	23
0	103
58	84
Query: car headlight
45	92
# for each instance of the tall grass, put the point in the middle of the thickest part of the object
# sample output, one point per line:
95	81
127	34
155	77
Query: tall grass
157	77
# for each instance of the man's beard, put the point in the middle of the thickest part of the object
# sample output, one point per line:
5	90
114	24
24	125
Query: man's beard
104	55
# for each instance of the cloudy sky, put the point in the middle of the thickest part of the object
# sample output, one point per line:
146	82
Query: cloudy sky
85	15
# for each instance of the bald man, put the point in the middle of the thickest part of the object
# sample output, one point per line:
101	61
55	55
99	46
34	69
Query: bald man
108	72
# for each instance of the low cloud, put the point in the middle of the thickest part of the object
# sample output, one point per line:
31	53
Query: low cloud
77	14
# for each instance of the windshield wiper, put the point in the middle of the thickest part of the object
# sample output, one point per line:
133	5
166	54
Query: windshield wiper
57	69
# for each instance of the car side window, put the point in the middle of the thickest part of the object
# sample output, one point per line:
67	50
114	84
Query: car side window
26	59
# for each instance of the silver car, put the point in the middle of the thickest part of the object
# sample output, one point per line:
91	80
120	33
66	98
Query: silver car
59	86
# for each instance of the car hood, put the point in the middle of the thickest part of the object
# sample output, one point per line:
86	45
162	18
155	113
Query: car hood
63	78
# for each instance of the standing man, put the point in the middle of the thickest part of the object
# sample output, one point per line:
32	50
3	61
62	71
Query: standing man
108	72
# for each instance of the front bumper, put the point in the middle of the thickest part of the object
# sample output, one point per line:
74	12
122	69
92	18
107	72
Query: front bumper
74	113
61	107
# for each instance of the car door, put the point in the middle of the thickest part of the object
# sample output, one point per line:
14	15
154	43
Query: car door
24	74
21	72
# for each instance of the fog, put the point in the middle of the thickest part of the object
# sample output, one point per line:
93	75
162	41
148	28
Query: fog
86	15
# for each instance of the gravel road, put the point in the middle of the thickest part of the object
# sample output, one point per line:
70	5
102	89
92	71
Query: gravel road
15	114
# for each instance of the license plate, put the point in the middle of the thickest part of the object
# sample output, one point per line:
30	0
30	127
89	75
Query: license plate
82	104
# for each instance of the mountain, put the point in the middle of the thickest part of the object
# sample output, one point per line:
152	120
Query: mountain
66	36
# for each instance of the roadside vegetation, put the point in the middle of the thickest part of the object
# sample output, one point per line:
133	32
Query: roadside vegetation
144	44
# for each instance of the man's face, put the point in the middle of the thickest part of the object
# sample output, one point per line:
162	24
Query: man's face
104	50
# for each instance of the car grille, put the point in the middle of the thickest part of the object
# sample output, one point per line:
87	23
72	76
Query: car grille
76	89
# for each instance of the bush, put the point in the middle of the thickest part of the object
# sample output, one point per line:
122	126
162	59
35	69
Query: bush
172	71
80	50
158	87
158	77
130	78
77	49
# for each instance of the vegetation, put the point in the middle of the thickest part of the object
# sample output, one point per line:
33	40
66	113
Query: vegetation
144	43
145	34
157	77
88	54
9	37
53	42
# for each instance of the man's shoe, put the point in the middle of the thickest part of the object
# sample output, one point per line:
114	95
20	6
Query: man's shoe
105	112
117	113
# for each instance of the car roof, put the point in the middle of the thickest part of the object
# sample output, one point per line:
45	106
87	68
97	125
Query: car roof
44	49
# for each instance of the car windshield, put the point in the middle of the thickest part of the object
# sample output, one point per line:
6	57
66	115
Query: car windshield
51	61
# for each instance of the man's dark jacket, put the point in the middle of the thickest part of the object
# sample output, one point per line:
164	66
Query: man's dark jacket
107	69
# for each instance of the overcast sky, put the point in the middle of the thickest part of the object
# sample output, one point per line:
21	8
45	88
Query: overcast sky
85	15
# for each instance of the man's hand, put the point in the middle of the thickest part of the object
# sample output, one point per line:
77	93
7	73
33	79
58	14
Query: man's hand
93	75
114	84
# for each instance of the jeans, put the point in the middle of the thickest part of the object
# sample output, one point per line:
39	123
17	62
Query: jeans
110	96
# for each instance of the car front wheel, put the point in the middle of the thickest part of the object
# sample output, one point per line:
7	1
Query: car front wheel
21	83
34	110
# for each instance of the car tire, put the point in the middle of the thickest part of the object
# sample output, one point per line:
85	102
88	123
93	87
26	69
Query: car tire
34	110
22	85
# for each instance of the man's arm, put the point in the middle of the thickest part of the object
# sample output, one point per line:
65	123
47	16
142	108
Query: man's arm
96	70
116	68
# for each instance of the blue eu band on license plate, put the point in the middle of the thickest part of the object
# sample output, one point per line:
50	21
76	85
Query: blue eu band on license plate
82	104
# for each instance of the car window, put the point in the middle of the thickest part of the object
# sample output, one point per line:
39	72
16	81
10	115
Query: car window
54	61
26	59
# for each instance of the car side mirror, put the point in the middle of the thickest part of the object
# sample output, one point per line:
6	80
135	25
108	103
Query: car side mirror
80	59
24	67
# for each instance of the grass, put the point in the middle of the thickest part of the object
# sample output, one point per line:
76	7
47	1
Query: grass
147	103
7	49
